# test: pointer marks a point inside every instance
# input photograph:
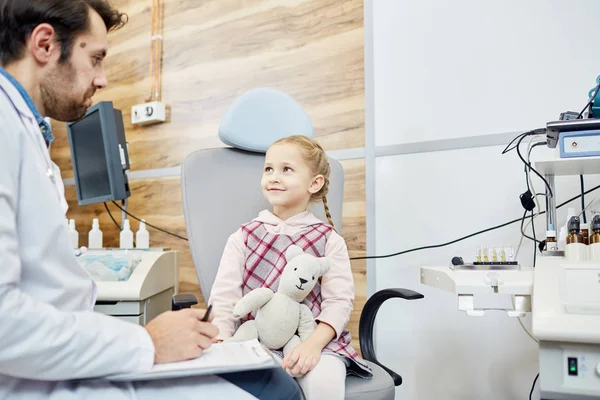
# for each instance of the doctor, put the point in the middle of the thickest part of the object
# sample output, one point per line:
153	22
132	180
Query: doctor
51	54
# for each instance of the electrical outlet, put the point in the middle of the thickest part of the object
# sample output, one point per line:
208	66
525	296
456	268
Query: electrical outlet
154	112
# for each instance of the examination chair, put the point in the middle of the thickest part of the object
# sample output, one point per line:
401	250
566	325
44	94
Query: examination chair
254	121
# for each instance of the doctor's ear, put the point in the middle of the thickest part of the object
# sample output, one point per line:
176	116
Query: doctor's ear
43	45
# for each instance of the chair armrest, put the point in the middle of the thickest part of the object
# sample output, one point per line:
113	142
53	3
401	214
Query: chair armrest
181	301
367	323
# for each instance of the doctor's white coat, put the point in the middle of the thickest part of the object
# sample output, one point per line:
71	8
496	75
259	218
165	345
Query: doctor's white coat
49	335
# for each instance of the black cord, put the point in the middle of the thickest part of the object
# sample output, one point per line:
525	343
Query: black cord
529	158
111	217
116	223
538	131
435	246
535	241
590	101
528	165
507	150
533	386
523	228
150	225
583	199
536	144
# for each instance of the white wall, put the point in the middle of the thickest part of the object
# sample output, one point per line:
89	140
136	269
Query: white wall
432	198
448	69
452	68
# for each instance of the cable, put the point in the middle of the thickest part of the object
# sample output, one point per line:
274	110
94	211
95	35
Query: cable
435	246
535	241
539	131
507	150
528	170
523	234
111	217
115	221
535	197
531	189
523	237
533	386
590	101
527	177
582	199
527	331
521	322
150	225
531	168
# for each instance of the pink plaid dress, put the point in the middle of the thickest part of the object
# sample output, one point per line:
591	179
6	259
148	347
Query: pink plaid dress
265	261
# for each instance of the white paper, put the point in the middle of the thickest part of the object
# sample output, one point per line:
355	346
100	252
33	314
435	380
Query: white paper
220	358
236	354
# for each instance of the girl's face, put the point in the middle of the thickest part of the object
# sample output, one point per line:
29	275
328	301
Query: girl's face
287	180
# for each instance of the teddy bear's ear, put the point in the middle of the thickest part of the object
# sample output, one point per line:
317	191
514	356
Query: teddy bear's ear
293	251
324	263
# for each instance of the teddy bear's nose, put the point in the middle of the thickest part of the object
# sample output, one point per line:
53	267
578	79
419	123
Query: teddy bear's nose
303	281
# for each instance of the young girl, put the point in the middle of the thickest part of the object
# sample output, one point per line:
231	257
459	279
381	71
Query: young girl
296	172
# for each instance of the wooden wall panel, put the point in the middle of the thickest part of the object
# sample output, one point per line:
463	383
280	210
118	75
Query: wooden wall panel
214	51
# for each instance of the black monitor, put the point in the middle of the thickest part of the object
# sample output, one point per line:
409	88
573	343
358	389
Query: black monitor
99	155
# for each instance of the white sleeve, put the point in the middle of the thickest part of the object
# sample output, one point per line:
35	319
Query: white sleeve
227	288
337	286
37	340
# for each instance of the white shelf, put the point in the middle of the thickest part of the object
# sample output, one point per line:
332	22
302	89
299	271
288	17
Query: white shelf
568	166
468	283
513	282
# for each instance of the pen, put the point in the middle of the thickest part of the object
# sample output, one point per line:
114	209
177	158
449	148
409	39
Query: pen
207	314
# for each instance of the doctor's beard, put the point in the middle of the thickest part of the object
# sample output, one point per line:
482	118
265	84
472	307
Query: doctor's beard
59	94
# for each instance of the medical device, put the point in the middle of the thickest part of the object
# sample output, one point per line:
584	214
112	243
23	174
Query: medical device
99	155
563	290
133	285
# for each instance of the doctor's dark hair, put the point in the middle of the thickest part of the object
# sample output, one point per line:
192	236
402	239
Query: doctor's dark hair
69	18
316	159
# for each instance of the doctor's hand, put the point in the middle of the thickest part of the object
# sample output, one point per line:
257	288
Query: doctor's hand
180	335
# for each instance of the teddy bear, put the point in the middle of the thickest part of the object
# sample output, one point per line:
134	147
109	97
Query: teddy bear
282	321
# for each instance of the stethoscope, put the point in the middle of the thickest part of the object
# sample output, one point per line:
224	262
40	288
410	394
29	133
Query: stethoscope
45	153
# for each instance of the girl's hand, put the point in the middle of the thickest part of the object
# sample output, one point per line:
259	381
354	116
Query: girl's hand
303	358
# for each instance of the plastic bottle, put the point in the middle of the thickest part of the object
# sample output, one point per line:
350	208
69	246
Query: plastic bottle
126	236
73	234
594	246
142	237
95	235
575	248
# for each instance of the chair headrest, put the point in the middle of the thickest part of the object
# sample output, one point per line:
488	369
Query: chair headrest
262	116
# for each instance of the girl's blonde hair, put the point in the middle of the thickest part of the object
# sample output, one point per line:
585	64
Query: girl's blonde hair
315	157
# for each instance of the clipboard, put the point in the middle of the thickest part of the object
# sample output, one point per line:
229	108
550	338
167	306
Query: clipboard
220	358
